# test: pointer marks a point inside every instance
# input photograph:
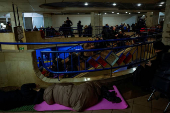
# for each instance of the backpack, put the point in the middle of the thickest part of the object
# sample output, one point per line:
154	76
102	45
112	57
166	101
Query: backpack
138	75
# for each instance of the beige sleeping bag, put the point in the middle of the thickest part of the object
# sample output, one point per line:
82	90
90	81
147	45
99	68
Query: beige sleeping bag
78	97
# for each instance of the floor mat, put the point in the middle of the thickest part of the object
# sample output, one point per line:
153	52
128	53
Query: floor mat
103	105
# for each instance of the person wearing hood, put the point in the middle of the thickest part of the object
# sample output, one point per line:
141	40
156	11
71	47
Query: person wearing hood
30	94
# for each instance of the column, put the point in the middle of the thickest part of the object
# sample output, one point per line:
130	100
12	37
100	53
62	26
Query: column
93	23
96	20
152	19
166	27
47	20
21	24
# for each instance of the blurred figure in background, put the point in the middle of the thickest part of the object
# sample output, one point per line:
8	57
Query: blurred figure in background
79	27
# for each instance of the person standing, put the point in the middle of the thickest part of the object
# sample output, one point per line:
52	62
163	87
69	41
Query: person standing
79	27
8	27
69	24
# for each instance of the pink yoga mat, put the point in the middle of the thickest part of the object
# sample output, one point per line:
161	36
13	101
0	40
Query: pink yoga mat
102	105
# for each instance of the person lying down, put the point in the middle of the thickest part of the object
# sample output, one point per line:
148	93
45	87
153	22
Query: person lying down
78	97
30	94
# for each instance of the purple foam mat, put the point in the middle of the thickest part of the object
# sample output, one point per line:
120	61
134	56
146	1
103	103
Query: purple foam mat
102	105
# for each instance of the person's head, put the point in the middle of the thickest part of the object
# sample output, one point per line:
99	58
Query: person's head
107	25
67	18
35	27
114	28
64	22
8	23
51	26
97	38
39	58
120	31
158	46
79	21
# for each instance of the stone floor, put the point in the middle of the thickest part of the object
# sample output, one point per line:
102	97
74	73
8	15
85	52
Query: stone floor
135	97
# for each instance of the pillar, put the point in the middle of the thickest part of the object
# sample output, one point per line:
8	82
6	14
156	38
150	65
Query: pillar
21	24
152	19
96	20
47	20
93	23
166	27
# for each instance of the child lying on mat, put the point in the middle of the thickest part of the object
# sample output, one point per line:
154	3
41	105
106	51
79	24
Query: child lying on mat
26	96
78	97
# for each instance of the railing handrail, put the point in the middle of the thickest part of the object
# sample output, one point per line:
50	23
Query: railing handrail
75	42
101	49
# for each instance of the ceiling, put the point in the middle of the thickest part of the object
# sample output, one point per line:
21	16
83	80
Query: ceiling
77	6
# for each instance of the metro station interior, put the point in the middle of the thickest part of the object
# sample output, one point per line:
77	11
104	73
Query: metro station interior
90	56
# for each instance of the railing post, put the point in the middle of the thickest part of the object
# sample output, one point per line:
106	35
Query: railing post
0	47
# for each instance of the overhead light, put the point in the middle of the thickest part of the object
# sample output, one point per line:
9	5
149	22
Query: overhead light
143	15
139	4
114	4
162	2
113	12
126	12
118	13
129	13
138	12
86	3
163	19
160	5
78	13
105	13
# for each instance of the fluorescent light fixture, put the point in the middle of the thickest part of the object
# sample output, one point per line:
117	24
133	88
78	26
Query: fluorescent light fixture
105	13
139	4
78	13
118	13
113	12
114	4
143	15
86	3
129	13
162	2
126	12
138	12
160	5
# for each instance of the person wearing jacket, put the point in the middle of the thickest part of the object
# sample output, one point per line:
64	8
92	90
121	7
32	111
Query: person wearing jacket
153	65
26	96
79	27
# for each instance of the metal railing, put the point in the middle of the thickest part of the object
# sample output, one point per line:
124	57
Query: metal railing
139	48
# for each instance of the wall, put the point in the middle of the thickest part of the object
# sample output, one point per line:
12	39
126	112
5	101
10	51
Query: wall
115	19
58	20
17	68
112	20
8	37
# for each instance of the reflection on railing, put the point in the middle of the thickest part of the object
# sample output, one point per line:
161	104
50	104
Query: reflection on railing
95	55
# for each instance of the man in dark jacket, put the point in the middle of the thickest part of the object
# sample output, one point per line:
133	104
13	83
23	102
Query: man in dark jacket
152	66
18	98
114	33
69	24
79	27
